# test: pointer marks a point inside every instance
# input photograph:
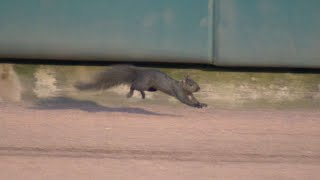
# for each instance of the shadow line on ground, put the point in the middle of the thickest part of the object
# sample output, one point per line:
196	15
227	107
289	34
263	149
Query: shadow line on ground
63	103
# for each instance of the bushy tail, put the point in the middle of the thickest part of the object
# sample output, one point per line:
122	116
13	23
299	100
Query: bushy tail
117	75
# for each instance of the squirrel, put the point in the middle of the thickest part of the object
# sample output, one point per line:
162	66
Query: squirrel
142	79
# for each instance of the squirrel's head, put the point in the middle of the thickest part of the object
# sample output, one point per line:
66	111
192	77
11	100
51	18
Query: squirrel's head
190	85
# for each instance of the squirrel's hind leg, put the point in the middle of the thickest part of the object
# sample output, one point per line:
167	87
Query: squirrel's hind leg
140	86
143	95
129	95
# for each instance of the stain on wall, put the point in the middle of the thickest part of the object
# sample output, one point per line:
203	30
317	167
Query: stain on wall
10	86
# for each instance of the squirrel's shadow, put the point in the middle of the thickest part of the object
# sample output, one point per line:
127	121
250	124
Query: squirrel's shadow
60	103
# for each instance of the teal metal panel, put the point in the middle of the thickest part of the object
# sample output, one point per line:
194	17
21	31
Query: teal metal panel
99	29
278	33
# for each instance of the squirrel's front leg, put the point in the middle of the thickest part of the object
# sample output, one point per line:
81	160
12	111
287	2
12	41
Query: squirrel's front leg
196	101
182	97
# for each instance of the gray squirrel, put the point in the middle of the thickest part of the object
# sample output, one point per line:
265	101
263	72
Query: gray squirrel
142	79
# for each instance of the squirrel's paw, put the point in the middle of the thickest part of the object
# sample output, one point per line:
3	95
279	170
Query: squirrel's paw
129	95
201	105
204	105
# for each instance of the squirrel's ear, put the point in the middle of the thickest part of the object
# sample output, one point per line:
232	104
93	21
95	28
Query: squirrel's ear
187	76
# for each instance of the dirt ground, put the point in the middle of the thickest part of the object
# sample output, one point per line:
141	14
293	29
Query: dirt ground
87	141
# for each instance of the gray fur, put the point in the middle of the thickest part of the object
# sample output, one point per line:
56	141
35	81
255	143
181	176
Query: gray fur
141	79
115	76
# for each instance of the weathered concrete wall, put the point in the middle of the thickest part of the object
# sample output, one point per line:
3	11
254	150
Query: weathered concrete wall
221	89
10	85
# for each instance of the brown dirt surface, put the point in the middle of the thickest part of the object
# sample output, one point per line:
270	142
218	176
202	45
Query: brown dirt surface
72	140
